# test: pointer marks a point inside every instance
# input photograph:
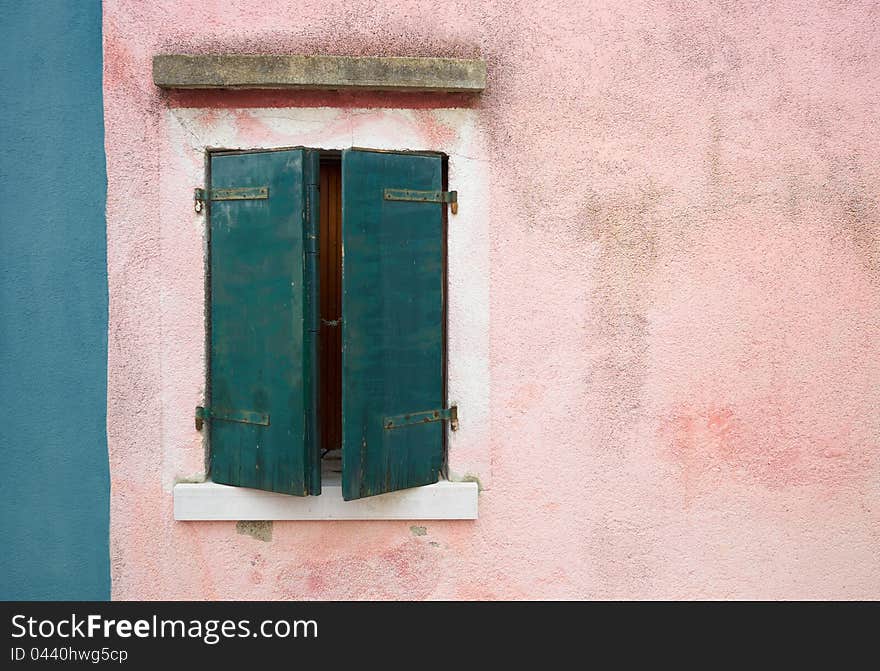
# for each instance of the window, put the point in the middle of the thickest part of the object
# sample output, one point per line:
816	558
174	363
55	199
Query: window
327	307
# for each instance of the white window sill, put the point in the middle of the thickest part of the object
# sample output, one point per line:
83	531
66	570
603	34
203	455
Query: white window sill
443	500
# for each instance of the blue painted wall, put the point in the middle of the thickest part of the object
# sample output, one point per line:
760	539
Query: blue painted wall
54	480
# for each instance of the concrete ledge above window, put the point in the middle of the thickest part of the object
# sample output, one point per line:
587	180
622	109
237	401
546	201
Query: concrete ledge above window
210	501
261	71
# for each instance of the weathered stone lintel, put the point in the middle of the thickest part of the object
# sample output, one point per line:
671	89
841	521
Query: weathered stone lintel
249	71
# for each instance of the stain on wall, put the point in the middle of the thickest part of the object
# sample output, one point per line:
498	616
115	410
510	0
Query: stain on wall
54	482
260	530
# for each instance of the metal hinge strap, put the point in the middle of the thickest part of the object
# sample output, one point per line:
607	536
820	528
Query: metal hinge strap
242	416
411	195
239	193
426	417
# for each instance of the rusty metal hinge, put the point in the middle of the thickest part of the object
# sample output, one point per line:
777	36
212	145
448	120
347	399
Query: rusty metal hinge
426	417
240	193
242	416
411	195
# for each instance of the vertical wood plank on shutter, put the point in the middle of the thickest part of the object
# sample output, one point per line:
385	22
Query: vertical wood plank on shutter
261	355
393	322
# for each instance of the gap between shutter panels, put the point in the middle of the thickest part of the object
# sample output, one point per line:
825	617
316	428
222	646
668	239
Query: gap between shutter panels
330	411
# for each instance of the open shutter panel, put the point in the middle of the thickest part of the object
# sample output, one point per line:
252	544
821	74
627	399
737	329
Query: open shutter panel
262	401
392	323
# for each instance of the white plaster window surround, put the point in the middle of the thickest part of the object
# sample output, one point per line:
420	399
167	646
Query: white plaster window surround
189	133
443	500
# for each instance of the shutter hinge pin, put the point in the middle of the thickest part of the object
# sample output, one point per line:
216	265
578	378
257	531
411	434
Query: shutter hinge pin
199	202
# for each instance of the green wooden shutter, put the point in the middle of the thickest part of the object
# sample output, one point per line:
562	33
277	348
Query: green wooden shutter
262	387
392	322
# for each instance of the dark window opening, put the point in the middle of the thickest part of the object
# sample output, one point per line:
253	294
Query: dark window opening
330	340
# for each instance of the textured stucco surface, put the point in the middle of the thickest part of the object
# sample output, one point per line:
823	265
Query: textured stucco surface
54	480
683	289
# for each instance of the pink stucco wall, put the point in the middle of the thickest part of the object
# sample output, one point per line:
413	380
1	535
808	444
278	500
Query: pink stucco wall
684	301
